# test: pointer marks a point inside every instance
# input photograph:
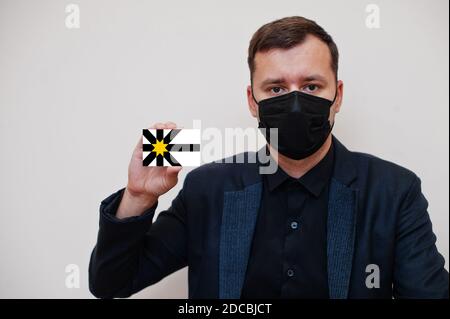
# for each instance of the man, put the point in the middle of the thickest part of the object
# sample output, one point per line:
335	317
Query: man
329	223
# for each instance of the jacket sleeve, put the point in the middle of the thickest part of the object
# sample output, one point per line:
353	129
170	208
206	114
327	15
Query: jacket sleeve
134	253
419	268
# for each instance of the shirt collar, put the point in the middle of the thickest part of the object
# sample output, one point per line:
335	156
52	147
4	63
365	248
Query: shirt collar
314	180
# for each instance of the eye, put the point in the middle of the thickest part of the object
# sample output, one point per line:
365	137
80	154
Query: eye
311	88
276	90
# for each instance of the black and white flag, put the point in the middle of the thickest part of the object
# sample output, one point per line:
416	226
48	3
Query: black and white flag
176	147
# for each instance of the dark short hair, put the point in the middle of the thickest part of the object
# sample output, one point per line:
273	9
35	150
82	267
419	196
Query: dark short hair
286	33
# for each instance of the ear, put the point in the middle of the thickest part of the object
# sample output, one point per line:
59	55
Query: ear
252	106
339	97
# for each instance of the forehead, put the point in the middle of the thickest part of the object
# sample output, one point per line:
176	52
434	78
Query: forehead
311	56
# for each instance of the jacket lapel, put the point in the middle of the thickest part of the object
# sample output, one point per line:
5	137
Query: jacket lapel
341	225
240	210
340	238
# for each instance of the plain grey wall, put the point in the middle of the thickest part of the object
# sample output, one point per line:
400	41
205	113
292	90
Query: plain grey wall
73	101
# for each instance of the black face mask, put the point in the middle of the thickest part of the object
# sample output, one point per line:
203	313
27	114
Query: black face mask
301	120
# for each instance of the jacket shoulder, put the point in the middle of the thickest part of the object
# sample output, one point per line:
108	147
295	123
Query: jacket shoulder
384	171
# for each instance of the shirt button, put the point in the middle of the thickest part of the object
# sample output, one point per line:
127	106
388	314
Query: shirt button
294	225
290	272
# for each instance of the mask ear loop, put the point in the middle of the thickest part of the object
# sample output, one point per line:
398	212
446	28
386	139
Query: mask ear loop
334	100
335	96
251	87
267	131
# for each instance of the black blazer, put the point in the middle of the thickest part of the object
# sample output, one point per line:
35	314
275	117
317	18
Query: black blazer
377	215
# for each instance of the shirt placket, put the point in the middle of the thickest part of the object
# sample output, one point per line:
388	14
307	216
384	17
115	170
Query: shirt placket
295	201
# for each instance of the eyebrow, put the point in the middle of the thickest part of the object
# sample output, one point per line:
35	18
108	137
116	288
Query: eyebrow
272	81
313	77
316	77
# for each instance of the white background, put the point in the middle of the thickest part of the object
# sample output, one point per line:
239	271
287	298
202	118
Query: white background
73	103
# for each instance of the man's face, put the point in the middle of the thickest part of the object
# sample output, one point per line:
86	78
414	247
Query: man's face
305	67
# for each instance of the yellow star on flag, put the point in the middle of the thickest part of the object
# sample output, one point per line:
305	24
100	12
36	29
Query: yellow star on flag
159	148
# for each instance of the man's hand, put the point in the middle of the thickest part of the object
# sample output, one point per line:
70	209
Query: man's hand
146	184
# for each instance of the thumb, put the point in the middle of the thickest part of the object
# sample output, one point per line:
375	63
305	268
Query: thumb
173	171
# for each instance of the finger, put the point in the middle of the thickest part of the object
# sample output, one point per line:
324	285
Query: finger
139	144
159	125
170	125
